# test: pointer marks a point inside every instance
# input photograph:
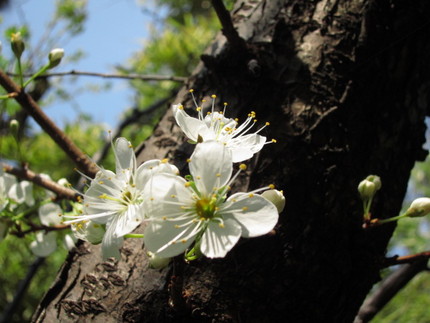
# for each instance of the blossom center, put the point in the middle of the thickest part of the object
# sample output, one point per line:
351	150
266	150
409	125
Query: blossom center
126	197
206	208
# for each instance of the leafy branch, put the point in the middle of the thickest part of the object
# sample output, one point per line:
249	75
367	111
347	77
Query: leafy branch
26	101
26	174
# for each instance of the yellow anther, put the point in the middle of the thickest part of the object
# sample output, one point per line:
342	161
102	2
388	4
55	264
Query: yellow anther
203	100
245	208
221	225
181	107
251	195
213	96
255	120
184	240
274	141
177	226
133	185
188	160
198	177
191	90
267	123
164	218
187	184
271	186
236	119
164	161
173	196
151	199
218	175
103	196
199	109
242	166
130	146
101	182
225	103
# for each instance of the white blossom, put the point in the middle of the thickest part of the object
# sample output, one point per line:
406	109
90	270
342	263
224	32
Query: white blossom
185	212
215	126
116	199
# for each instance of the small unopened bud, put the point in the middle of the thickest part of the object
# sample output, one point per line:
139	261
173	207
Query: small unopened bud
156	262
368	187
14	127
55	57
17	44
276	197
419	207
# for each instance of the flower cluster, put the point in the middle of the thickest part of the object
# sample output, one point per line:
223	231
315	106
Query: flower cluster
194	215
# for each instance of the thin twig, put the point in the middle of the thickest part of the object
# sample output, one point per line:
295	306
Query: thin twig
228	29
406	259
34	228
141	77
388	289
26	174
27	102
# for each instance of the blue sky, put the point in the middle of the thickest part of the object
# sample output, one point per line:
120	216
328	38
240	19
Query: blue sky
113	31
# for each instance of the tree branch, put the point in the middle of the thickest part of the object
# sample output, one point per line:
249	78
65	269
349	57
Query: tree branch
23	173
388	289
228	29
406	259
148	77
27	102
34	228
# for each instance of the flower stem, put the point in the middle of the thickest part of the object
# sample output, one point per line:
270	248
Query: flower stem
395	218
133	235
38	73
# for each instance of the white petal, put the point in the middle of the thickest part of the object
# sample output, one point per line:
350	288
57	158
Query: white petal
45	244
124	155
129	220
151	167
69	241
111	243
217	240
17	193
211	166
244	147
165	194
255	214
50	214
192	127
166	240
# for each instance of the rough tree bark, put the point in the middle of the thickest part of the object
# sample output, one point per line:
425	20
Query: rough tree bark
344	84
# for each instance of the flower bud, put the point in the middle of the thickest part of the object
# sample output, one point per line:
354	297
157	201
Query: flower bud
368	187
276	197
55	57
17	44
156	262
14	127
419	207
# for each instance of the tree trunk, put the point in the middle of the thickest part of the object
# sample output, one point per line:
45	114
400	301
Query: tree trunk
344	84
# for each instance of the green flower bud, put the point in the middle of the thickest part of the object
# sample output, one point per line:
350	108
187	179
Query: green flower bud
55	57
419	207
276	197
17	44
369	186
156	262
